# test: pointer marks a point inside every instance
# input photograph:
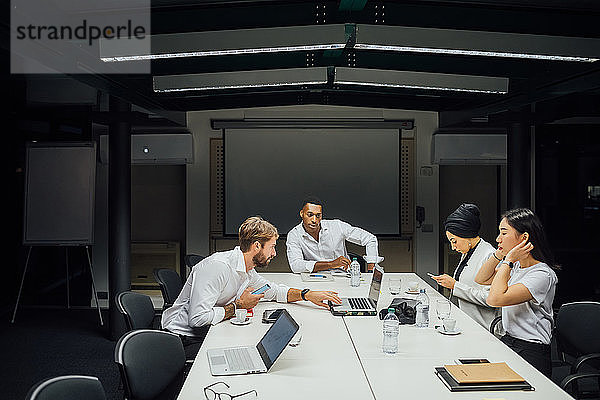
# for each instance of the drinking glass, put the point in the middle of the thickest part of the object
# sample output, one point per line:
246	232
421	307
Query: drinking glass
395	285
442	308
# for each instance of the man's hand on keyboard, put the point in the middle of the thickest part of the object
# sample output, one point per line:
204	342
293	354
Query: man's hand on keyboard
320	297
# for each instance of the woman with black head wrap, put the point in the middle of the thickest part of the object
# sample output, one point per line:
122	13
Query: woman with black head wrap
462	230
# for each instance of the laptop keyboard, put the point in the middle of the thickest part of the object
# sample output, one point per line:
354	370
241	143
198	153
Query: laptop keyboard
239	359
358	303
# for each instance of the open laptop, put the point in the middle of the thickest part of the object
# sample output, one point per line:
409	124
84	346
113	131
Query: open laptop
361	305
257	359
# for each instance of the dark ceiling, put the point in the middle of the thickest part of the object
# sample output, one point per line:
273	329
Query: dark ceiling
543	91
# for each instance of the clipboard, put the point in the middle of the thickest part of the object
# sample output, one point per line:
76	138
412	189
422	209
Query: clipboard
321	276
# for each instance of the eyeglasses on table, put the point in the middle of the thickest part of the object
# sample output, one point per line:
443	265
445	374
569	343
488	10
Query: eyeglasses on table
210	394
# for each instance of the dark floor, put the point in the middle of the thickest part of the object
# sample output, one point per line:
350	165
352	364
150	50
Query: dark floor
43	343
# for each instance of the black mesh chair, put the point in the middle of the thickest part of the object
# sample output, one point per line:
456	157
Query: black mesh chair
361	261
496	327
170	285
192	259
576	333
151	364
68	387
137	309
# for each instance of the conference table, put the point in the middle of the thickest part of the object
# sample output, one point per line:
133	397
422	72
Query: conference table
341	357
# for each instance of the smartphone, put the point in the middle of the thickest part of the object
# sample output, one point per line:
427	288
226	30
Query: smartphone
262	289
270	316
472	360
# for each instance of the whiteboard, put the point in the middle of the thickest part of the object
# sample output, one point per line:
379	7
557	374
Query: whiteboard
356	172
59	193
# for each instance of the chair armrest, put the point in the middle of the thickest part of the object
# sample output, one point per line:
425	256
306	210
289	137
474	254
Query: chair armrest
575	377
578	363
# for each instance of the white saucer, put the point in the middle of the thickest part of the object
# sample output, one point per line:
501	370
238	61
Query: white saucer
412	292
441	330
236	322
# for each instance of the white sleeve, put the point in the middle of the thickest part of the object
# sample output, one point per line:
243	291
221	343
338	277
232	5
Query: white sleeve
538	282
295	257
475	295
207	286
277	292
361	237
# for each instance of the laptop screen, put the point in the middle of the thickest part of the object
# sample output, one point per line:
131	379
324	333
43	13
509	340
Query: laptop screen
276	338
376	284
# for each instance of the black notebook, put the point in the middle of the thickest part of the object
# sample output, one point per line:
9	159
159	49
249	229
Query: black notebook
454	386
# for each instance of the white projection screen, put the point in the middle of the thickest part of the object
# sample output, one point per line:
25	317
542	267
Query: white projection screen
356	172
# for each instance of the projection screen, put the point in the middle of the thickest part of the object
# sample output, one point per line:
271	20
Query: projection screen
356	172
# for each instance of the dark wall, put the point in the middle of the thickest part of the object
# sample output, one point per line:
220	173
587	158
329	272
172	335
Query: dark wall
567	162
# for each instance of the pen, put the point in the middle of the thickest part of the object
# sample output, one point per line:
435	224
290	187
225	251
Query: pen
317	275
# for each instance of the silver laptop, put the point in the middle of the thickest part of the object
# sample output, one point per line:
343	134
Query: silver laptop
361	305
254	359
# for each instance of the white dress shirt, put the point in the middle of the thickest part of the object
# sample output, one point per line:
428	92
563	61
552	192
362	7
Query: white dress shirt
303	251
216	281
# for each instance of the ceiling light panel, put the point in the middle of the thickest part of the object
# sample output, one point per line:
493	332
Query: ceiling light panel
230	42
240	79
476	43
420	80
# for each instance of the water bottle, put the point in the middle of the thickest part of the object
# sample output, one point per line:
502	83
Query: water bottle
390	332
422	317
354	273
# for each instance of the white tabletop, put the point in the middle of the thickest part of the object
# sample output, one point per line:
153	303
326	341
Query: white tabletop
342	357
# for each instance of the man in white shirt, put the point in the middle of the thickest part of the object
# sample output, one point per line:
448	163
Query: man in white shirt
225	281
316	244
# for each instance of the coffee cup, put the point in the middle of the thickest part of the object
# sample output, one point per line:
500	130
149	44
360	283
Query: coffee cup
413	286
240	314
449	324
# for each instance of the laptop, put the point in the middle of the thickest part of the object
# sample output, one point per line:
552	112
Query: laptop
361	305
257	359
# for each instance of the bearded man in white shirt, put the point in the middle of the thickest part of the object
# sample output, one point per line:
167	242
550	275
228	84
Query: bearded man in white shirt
225	281
317	244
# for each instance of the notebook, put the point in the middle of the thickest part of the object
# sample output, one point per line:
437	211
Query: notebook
257	359
361	305
483	373
454	386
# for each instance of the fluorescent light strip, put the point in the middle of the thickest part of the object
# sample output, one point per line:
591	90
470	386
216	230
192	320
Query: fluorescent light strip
224	52
392	85
239	86
420	80
240	79
364	46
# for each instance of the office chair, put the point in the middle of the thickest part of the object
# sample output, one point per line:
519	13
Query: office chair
192	259
67	387
151	364
137	309
496	326
361	261
576	333
170	285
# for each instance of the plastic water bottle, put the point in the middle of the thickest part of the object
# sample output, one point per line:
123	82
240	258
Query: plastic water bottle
422	317
354	273
390	332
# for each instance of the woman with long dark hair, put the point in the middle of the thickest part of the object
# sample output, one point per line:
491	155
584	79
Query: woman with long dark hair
523	284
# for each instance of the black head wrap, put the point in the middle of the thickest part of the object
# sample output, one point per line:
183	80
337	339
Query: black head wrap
464	221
